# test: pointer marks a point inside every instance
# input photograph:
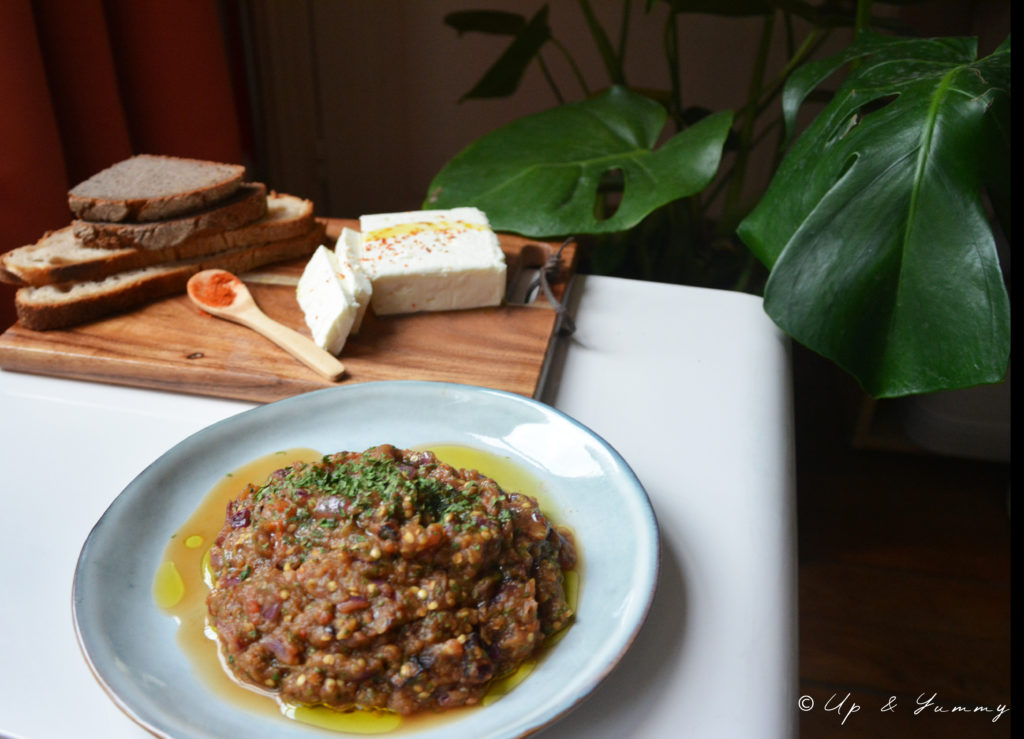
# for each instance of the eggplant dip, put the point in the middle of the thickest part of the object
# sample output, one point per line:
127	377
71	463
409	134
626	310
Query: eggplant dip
384	579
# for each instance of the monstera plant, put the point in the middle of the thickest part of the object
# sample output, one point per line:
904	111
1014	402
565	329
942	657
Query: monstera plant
542	173
875	232
874	227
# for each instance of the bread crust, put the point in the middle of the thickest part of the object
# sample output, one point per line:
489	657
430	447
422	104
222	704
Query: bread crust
62	306
248	204
60	256
149	187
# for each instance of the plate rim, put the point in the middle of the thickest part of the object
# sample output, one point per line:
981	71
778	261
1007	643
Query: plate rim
544	719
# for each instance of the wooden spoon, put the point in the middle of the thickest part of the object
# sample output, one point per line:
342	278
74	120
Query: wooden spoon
222	294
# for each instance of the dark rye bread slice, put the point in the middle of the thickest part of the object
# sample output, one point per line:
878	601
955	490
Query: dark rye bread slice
60	256
248	204
66	305
148	187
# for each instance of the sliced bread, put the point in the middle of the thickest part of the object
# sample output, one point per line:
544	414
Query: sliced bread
69	304
247	204
149	187
60	256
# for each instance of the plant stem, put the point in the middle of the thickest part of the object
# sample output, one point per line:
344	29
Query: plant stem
814	40
624	32
863	19
861	23
550	79
731	213
612	64
811	44
573	66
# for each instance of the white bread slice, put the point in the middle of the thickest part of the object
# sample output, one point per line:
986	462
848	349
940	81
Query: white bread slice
149	187
60	256
69	304
247	204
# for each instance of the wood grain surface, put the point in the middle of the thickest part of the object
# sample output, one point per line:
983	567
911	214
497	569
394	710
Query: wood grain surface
905	577
171	345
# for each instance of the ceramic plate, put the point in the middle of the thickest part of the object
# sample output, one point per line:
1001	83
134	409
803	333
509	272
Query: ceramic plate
130	643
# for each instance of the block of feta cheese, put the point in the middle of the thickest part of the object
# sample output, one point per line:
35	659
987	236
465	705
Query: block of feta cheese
432	260
328	305
347	251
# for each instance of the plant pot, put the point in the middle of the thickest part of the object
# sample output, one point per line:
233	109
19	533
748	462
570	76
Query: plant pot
973	422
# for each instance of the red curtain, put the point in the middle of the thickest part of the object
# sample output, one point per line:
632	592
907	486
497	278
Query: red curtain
84	84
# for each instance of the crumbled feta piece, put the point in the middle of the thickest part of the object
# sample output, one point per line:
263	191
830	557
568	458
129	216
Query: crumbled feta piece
432	260
328	305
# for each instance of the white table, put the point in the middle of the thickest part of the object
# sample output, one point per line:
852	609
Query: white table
691	386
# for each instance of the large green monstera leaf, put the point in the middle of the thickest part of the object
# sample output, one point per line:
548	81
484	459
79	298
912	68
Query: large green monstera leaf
540	175
881	255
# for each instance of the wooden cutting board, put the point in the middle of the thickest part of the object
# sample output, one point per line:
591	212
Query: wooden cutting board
171	345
